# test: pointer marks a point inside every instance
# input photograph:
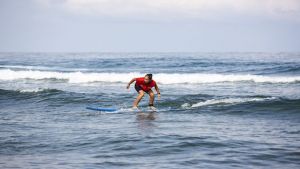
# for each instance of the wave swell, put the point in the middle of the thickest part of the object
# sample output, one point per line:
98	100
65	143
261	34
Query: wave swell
163	78
225	101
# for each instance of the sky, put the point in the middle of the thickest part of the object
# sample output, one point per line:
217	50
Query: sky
149	25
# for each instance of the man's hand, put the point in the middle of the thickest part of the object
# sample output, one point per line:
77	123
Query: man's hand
131	81
158	96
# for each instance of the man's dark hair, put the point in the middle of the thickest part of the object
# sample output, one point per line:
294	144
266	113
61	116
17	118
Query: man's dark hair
149	76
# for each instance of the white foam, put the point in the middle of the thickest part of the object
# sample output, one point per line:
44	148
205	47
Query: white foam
33	90
227	101
162	78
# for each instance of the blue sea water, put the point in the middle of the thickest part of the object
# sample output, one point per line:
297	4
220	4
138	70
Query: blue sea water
217	110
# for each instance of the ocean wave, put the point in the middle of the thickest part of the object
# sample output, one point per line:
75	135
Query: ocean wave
36	90
162	78
226	101
268	105
60	97
29	91
47	95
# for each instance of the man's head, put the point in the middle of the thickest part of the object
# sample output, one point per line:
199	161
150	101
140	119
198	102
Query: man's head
148	78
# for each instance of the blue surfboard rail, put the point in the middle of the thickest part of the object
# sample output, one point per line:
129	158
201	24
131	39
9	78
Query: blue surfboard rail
102	109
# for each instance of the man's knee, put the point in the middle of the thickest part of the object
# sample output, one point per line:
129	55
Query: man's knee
141	93
151	94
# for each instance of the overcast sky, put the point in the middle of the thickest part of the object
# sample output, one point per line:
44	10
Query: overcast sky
149	25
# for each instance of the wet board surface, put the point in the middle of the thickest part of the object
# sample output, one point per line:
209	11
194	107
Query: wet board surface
102	109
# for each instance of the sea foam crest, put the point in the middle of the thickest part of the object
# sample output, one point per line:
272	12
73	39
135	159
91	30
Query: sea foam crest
162	78
226	101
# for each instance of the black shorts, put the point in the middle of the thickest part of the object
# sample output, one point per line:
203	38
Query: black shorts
138	88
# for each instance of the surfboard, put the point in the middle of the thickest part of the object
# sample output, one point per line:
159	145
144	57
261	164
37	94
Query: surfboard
105	109
102	109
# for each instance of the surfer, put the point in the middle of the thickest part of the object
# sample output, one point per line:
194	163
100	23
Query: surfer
143	85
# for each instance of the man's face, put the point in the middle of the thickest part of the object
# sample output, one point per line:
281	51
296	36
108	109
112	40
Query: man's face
147	80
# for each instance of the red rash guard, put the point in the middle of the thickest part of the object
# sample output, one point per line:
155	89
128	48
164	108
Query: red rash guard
141	83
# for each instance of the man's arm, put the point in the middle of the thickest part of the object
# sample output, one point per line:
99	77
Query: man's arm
131	81
157	91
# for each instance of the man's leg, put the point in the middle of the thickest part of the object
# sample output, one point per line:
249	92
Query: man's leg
138	99
151	100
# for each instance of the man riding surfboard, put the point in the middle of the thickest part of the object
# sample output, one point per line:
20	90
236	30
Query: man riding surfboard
143	85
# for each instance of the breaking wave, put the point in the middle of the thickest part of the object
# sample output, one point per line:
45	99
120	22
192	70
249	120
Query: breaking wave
162	78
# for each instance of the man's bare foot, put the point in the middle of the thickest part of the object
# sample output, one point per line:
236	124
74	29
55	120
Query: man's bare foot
152	108
135	108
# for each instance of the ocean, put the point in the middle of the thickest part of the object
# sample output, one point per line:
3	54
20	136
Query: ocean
217	110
